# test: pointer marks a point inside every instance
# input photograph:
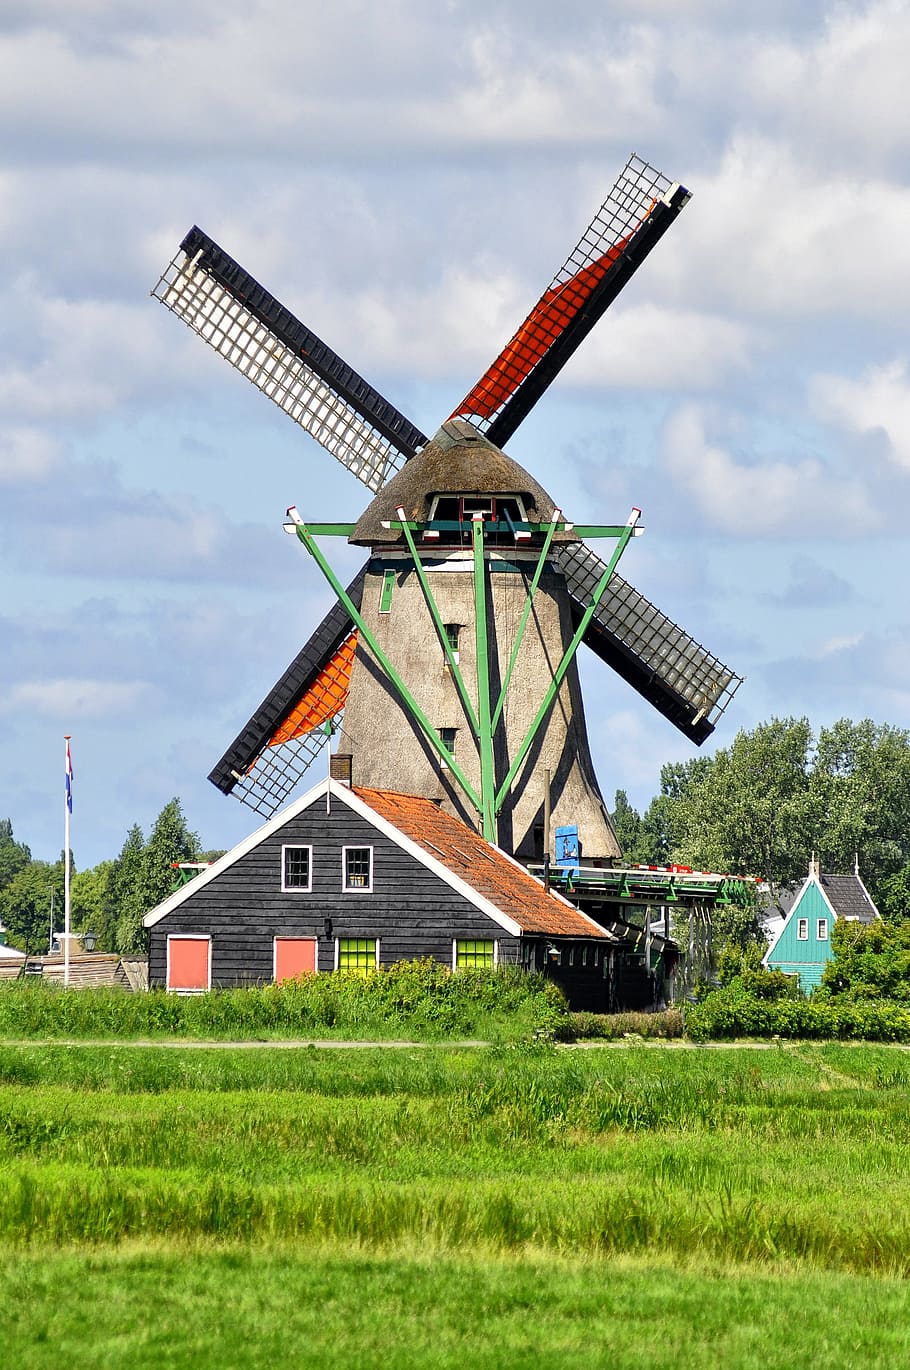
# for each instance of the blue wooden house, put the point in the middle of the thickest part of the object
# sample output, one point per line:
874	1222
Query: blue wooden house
802	945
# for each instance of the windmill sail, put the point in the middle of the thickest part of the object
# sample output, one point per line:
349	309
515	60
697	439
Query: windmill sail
635	215
232	312
282	739
683	680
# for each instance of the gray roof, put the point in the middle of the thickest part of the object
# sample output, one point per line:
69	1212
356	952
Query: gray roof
459	460
849	897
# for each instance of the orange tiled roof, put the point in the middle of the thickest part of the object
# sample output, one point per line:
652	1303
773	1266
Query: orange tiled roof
485	868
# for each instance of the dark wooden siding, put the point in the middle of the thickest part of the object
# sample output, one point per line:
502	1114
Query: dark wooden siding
411	910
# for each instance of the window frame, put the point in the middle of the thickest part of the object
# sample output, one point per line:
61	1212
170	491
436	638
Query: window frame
473	942
337	952
296	889
450	751
802	929
187	937
821	930
355	889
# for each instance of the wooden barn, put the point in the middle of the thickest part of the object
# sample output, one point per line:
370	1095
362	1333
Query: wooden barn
802	944
349	878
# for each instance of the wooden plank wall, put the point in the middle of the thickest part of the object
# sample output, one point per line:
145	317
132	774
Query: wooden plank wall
411	911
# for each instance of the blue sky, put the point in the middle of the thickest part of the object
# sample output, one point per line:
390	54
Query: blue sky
407	178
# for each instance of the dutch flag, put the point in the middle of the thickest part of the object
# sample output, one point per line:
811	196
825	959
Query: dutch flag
69	777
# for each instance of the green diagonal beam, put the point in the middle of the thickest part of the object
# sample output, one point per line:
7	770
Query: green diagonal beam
485	731
567	658
407	698
440	627
532	590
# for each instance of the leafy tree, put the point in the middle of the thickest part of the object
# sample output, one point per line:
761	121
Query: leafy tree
123	907
860	783
871	961
147	877
25	904
748	808
894	895
90	904
13	855
626	825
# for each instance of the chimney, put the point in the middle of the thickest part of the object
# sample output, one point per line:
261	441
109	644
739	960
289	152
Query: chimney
340	768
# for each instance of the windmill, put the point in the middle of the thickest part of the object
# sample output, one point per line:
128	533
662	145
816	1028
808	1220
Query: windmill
466	617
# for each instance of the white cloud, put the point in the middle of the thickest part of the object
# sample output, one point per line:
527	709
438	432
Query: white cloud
27	455
77	699
762	498
877	403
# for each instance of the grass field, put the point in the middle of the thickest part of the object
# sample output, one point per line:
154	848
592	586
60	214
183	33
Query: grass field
440	1207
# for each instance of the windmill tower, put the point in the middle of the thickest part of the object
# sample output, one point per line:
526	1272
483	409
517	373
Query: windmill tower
448	664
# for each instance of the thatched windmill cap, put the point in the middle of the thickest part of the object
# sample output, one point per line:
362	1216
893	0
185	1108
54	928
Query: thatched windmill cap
457	461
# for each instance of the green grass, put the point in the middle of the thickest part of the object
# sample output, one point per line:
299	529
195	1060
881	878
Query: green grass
422	1206
186	1310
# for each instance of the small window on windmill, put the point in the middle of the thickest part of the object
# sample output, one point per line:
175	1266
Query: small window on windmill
453	635
447	737
385	594
478	504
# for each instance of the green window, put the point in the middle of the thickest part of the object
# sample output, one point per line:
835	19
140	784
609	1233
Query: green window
357	953
472	954
385	596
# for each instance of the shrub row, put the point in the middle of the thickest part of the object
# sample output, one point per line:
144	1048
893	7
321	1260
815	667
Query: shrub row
733	1012
418	999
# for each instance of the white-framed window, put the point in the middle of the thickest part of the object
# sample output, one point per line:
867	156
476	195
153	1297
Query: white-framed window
468	955
356	870
189	962
802	929
296	870
821	931
357	953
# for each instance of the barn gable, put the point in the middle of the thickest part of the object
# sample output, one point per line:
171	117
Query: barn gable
802	945
289	895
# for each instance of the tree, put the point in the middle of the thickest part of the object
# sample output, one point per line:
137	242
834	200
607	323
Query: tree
13	855
626	825
146	877
748	809
894	895
25	904
90	904
123	898
871	960
860	783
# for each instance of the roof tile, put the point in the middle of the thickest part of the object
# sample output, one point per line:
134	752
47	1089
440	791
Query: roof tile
494	875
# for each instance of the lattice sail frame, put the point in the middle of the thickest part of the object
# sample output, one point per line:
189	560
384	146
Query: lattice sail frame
638	193
264	341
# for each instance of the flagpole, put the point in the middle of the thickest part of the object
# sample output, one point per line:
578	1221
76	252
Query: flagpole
67	810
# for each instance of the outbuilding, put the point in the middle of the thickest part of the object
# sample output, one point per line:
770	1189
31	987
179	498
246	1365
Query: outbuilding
802	944
349	878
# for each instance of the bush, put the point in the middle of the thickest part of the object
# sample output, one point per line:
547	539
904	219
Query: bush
735	1012
418	999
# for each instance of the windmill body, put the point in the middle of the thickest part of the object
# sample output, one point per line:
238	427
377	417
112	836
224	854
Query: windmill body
457	657
460	472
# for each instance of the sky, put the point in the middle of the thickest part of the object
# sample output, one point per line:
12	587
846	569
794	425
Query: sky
407	178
